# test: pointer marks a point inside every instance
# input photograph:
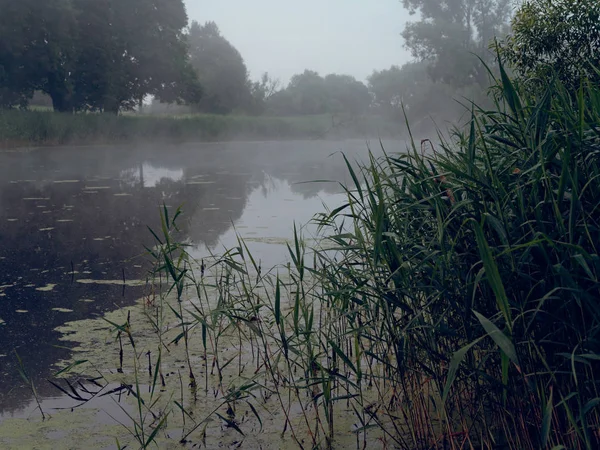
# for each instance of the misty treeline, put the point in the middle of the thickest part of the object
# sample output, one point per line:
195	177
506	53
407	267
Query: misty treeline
450	45
112	55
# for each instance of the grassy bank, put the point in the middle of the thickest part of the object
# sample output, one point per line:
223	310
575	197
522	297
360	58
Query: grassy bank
31	128
452	303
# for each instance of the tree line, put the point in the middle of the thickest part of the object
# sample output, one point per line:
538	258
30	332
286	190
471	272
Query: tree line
110	55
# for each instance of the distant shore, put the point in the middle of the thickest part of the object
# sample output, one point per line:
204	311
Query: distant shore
22	129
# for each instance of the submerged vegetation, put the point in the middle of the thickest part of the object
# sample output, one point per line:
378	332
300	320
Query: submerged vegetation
452	302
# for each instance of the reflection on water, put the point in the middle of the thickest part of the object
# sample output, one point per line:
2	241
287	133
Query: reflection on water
73	225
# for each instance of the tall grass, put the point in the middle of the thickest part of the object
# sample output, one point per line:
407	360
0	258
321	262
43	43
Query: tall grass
18	128
453	301
470	273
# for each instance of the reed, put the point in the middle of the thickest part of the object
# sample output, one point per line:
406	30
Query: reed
35	128
452	301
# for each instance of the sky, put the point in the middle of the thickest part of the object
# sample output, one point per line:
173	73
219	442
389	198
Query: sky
285	37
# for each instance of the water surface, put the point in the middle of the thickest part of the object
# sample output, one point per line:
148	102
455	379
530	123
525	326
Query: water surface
73	226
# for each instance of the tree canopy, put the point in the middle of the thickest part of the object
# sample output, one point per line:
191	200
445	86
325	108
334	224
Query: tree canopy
87	55
561	37
310	93
449	34
220	68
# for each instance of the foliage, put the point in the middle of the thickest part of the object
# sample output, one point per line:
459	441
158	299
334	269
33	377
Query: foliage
309	93
559	37
36	50
86	55
410	90
261	92
31	128
220	68
451	301
449	32
471	273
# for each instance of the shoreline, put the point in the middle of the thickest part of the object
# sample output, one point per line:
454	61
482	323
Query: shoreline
35	129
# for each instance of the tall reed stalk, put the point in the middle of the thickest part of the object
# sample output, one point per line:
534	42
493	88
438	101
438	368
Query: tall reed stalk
452	302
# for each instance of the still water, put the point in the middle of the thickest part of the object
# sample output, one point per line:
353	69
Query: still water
73	226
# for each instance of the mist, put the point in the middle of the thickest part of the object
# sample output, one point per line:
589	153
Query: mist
312	224
334	70
285	38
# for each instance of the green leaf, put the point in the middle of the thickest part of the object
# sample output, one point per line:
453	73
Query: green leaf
232	424
70	366
499	338
457	359
547	419
342	355
493	274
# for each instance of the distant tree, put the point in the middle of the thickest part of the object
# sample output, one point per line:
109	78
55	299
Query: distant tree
391	88
40	99
261	92
449	32
561	37
220	68
410	88
346	94
309	93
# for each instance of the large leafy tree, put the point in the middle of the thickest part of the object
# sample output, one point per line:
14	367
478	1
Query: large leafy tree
102	55
451	32
400	87
559	37
119	64
220	68
37	48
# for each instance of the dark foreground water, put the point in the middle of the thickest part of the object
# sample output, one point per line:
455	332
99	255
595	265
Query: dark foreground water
73	225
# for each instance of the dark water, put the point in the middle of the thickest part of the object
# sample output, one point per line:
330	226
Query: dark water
72	216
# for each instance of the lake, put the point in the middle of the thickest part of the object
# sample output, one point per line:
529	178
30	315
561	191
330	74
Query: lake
74	223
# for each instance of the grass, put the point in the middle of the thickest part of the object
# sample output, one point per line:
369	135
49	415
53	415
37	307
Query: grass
30	128
453	302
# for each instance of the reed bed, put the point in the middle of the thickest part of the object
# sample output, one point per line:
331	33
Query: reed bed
31	128
453	302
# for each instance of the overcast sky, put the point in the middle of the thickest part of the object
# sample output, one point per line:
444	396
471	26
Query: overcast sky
284	37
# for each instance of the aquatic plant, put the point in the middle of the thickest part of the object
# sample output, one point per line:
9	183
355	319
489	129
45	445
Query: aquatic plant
30	128
452	301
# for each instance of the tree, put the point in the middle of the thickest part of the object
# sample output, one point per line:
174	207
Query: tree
561	37
37	51
346	94
104	55
119	64
409	89
261	92
450	31
396	87
309	93
220	68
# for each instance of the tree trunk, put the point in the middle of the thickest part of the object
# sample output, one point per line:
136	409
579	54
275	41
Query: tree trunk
59	93
111	105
